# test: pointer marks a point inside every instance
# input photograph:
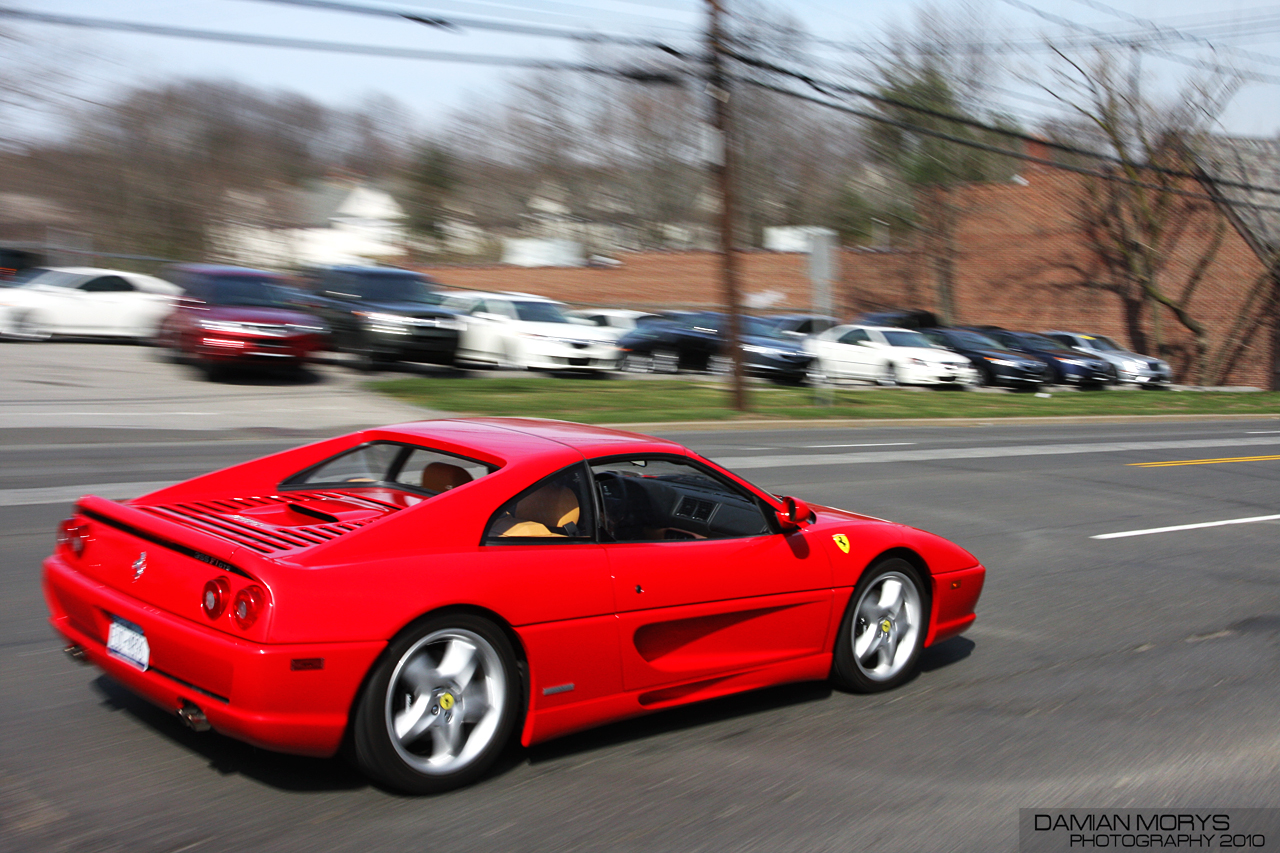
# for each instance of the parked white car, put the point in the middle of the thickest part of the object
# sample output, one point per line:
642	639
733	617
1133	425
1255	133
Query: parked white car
518	330
86	301
887	356
616	321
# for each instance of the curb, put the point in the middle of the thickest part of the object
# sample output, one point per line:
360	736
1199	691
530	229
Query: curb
854	423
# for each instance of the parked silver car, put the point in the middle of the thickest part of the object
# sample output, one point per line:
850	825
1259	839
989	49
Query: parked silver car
1128	366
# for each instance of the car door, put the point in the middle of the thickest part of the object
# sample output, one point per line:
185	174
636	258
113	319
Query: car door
705	585
541	547
857	354
101	305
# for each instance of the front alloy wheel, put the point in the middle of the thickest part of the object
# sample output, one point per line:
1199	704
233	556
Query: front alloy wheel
440	706
883	631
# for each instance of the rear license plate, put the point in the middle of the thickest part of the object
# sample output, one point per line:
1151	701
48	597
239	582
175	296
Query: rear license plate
127	642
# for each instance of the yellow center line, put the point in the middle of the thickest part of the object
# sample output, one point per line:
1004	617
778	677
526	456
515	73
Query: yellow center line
1202	461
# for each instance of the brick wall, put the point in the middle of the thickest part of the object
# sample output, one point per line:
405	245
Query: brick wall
1021	264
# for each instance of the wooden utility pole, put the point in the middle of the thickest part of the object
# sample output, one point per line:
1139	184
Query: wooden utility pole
722	167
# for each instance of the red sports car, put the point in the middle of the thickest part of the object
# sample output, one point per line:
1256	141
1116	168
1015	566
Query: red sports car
421	592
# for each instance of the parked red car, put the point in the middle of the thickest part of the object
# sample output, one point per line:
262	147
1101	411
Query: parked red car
232	316
430	589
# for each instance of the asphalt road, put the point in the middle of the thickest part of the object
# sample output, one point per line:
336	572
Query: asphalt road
1138	671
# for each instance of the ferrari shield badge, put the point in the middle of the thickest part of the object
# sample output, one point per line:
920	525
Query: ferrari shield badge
842	542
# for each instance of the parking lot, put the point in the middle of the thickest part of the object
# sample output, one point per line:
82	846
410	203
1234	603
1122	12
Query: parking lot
1134	671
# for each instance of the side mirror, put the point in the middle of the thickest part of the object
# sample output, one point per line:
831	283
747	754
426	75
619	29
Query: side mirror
795	513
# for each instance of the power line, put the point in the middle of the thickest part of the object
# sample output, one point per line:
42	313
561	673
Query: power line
1174	34
1203	65
1018	155
636	74
459	24
831	89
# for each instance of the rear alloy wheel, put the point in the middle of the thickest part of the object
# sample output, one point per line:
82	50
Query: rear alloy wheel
883	631
439	707
666	361
719	365
636	362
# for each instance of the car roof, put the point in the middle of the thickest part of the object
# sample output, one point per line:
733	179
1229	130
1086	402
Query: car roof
512	296
223	269
878	328
529	435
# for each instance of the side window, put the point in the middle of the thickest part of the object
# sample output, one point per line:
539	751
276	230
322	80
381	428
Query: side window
854	336
557	509
665	499
437	472
107	284
363	466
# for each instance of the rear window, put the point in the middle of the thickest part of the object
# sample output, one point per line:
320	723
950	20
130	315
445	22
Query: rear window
391	464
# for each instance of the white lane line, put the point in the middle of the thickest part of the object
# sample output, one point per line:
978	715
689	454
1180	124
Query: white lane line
1178	527
745	463
882	444
68	494
1262	431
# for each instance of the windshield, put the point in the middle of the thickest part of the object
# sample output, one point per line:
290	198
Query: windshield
53	278
541	312
399	287
1106	344
1039	341
974	340
759	328
249	291
907	339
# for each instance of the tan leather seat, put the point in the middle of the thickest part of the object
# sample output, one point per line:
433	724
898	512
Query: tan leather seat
540	513
441	476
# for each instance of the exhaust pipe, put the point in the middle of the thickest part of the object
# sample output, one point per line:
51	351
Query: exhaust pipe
76	653
195	719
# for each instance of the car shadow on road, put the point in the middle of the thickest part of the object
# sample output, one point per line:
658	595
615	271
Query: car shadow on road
229	757
946	653
712	711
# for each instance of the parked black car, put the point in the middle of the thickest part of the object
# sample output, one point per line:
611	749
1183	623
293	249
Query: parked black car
383	315
899	318
1066	366
698	341
995	363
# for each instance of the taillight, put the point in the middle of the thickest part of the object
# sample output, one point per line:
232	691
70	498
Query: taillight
217	593
248	606
73	535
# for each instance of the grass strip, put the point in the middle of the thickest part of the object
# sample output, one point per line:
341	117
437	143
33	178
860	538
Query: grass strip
612	400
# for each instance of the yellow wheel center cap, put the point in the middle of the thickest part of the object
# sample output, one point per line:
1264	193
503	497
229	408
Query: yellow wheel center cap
886	625
446	701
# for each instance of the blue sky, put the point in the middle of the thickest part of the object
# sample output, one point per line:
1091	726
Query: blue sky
432	89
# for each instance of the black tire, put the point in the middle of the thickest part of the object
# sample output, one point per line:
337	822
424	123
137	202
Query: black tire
444	746
666	361
986	377
636	362
888	375
882	666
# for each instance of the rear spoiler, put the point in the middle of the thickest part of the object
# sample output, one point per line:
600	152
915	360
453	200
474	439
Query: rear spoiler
196	544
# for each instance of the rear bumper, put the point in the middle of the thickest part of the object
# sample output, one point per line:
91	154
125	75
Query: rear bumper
249	691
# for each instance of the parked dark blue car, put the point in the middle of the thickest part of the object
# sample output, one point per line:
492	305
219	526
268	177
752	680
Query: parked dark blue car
698	341
996	364
1066	367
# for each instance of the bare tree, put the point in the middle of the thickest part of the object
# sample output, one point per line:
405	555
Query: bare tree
1146	213
929	77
